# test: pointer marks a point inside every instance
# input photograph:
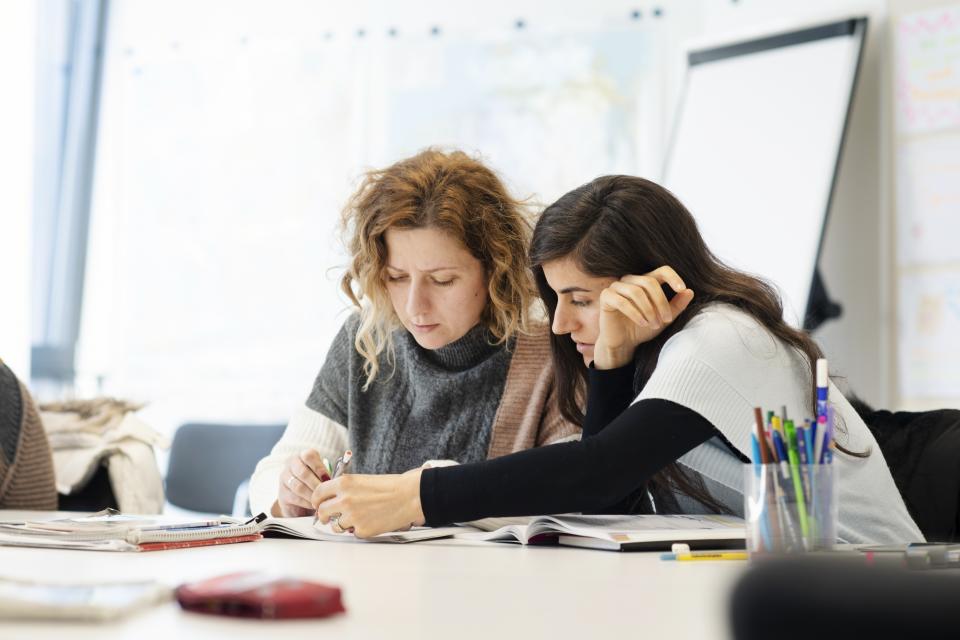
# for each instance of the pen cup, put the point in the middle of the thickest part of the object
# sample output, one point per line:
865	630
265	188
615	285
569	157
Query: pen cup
790	509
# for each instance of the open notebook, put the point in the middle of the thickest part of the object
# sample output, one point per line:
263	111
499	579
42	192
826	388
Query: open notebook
112	531
307	529
613	532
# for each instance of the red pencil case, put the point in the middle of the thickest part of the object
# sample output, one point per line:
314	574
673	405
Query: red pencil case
260	595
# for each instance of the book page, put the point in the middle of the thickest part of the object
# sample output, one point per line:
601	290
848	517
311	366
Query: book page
308	529
623	528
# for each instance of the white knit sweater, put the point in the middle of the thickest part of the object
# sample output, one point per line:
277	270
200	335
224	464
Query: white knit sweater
722	365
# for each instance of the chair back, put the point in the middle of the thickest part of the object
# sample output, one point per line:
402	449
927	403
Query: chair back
922	450
208	462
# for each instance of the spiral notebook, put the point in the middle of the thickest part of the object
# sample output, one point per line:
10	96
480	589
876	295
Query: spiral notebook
109	530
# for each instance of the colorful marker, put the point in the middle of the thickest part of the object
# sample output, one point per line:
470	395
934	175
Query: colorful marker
823	382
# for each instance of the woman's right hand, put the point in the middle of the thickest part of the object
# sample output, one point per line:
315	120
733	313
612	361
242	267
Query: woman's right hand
301	474
634	310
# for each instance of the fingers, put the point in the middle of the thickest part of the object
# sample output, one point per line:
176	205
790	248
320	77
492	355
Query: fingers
292	493
681	301
622	299
308	467
325	500
644	295
665	275
301	475
326	491
650	283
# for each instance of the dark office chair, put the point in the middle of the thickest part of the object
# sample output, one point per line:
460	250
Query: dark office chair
209	462
922	450
838	598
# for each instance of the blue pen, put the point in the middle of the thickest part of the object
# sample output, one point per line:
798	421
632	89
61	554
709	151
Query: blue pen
755	450
804	453
781	454
823	381
821	442
828	439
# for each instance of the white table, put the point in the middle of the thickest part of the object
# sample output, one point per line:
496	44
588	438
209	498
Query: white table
421	590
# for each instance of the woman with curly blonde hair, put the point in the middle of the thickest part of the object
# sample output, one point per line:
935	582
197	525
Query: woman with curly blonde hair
441	361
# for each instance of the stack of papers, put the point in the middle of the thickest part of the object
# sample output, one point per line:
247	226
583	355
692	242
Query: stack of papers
112	531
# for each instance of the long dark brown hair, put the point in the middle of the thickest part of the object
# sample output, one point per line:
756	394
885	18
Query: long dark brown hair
620	225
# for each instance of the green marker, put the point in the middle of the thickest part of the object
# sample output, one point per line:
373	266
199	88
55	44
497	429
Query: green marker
797	483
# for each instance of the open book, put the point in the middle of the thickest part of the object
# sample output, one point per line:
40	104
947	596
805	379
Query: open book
614	532
306	528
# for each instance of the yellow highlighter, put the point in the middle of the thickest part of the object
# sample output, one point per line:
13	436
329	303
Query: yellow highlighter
697	556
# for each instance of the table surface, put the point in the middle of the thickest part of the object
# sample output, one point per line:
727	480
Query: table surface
418	590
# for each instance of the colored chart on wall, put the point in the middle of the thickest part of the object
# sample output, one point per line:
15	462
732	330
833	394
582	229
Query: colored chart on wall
928	200
927	75
929	351
927	204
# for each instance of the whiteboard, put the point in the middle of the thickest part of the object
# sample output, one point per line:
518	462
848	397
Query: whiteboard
755	149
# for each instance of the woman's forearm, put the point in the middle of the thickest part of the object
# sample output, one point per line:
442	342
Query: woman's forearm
576	476
609	393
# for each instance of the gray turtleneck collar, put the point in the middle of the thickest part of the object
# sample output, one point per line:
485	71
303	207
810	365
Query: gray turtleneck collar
416	410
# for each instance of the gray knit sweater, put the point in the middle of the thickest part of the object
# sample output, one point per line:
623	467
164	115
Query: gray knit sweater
435	404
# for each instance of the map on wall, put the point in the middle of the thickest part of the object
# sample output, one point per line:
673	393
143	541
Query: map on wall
927	75
550	111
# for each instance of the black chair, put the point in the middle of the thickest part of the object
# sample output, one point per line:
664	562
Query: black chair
838	598
922	450
209	462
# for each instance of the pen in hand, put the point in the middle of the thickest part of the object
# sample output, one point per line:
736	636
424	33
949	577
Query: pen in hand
342	462
340	465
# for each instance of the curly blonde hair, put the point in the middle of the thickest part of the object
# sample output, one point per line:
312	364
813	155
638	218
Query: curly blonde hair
451	192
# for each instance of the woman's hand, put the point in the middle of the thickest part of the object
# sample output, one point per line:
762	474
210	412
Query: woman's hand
634	310
301	475
370	505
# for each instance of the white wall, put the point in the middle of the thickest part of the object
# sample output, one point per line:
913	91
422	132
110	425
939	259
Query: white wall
854	264
17	24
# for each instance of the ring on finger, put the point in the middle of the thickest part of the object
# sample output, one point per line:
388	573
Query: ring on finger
335	523
290	482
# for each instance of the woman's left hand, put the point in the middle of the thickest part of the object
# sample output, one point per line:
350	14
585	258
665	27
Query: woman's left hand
371	504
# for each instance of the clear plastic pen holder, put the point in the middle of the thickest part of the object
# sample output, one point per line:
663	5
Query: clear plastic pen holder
790	509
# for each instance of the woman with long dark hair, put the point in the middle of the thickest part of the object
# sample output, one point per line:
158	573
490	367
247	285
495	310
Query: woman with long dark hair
673	349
